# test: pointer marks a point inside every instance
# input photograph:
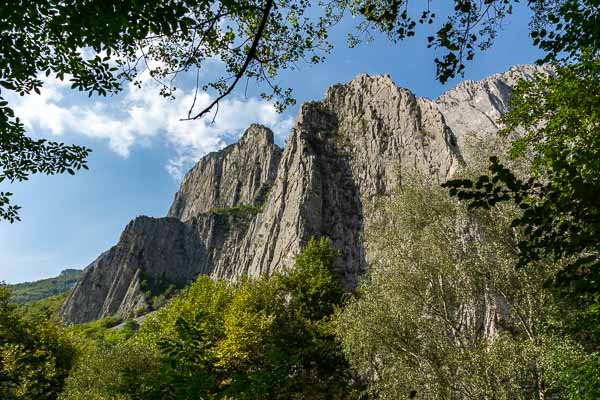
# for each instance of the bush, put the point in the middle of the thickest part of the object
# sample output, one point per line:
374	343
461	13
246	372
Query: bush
35	355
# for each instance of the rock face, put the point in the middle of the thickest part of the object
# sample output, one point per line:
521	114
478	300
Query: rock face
239	174
472	108
249	208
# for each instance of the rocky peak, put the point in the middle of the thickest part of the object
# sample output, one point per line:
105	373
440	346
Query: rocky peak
391	130
151	252
240	174
258	135
472	109
248	209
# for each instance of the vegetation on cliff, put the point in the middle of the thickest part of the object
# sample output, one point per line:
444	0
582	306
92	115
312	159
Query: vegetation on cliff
268	338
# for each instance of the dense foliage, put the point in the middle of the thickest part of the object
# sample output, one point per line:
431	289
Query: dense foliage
561	218
268	338
556	121
47	307
444	313
36	356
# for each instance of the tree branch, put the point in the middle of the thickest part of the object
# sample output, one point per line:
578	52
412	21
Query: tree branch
251	55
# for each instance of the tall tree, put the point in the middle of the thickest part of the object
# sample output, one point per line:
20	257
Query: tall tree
561	200
443	313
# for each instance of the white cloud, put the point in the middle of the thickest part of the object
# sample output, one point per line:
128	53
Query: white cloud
139	116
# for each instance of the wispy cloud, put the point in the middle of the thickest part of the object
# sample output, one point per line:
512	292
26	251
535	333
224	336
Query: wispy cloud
140	116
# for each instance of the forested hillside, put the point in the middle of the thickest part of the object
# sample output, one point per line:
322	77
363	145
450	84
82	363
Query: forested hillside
31	291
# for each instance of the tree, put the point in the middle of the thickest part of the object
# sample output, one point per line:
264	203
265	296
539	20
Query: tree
106	371
35	355
272	337
280	342
558	116
443	313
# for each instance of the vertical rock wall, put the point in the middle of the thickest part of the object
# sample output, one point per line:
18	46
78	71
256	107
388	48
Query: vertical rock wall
249	208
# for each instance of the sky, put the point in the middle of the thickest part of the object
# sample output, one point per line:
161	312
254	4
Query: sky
141	149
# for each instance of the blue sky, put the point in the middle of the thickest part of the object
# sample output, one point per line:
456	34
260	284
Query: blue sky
141	149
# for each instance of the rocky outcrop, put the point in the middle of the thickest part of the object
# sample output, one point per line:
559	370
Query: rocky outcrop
249	208
473	108
239	174
151	252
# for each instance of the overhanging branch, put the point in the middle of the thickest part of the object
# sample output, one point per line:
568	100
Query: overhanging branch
249	57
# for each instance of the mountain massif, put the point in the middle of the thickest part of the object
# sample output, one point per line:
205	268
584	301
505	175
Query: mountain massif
248	209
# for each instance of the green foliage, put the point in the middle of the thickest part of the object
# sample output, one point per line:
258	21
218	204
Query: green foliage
558	123
566	29
111	372
268	338
313	288
47	307
107	330
279	340
443	313
561	217
35	355
31	291
204	297
240	209
582	381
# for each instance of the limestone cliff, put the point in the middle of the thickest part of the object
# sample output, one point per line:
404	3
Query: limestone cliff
239	174
249	208
472	108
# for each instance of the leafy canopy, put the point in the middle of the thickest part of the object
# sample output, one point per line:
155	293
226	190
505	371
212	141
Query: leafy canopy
35	355
443	313
561	212
267	338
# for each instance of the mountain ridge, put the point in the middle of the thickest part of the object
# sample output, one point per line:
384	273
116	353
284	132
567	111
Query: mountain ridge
25	292
248	209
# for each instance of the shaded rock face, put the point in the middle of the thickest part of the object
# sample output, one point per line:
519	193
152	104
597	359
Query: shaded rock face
149	249
248	209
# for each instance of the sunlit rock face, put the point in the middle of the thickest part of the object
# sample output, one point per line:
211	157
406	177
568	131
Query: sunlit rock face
473	108
248	209
239	174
